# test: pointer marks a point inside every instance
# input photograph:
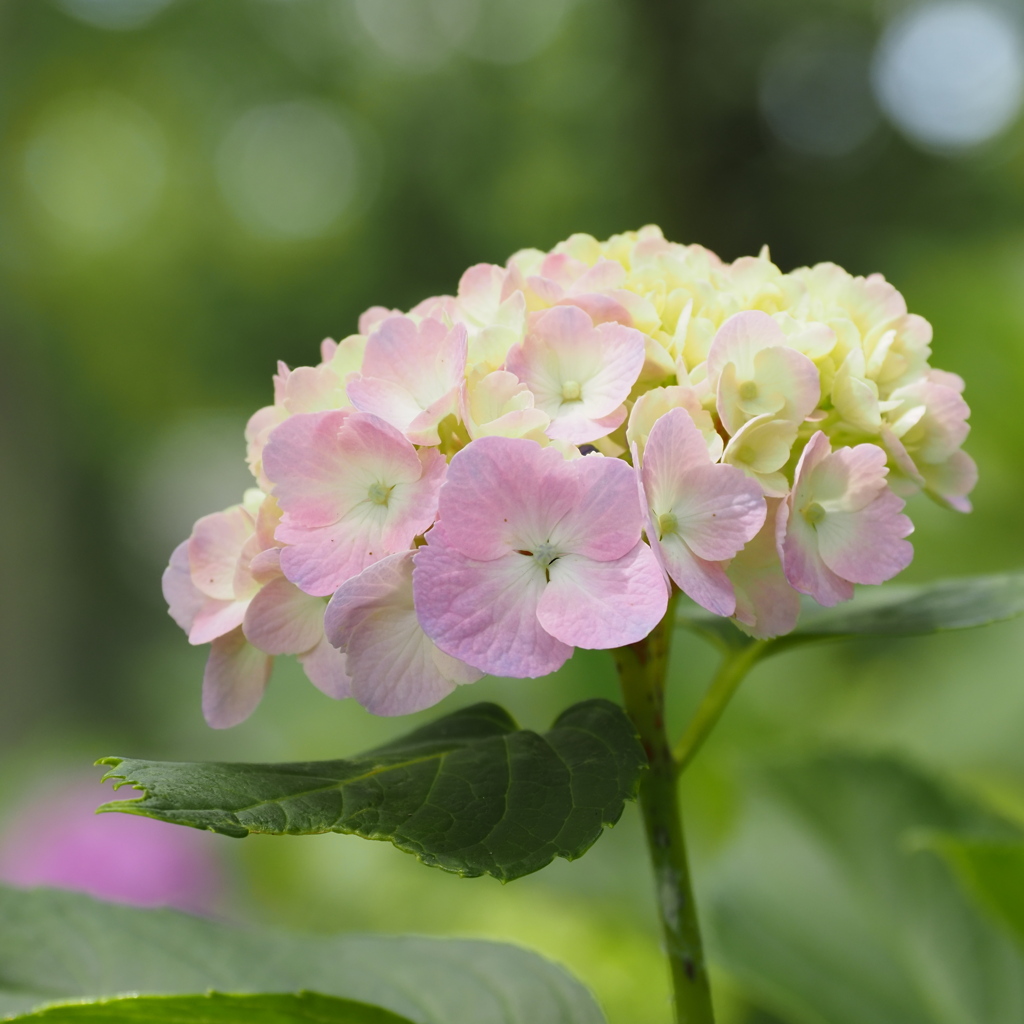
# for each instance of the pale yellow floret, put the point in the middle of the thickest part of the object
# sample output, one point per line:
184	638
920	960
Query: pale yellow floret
761	448
653	404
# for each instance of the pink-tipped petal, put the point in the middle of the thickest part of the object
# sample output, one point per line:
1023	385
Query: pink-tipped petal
579	374
579	429
305	460
766	605
396	669
368	494
602	604
950	482
216	618
485	613
325	668
805	569
702	581
715	509
386	399
720	511
214	550
867	546
236	676
411	374
374	316
184	600
281	619
675	447
849	478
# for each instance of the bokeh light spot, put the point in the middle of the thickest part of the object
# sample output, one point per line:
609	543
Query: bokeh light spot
418	34
96	162
288	171
950	75
815	92
119	15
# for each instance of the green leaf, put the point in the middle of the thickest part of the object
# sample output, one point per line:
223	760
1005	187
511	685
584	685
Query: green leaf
215	1008
834	908
470	793
993	871
59	945
892	610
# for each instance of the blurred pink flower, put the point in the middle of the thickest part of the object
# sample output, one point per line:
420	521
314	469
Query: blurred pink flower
56	839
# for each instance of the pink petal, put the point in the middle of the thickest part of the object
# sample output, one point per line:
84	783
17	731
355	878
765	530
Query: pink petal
850	477
215	619
951	481
579	429
281	619
717	507
703	581
797	541
314	389
766	604
867	546
184	601
602	309
325	668
384	398
396	669
333	525
257	430
236	676
485	613
266	565
562	346
305	460
214	550
374	316
422	429
427	360
502	494
720	510
674	448
602	604
606	519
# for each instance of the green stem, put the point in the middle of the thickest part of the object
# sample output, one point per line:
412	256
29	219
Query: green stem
642	670
733	670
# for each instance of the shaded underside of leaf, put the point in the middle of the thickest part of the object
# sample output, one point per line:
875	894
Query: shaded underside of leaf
993	870
833	907
56	946
470	793
891	610
217	1008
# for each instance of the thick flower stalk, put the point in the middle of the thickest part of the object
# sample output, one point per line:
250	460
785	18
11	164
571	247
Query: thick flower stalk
539	461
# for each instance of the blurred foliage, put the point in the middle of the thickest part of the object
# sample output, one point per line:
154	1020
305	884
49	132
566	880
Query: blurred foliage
192	189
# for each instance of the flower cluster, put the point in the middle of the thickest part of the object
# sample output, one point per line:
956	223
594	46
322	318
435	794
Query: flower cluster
494	478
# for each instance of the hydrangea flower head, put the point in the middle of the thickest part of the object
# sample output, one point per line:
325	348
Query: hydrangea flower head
497	476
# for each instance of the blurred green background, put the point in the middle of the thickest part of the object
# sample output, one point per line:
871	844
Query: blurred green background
193	189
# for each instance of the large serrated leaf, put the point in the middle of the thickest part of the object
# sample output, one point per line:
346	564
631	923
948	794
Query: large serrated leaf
892	610
58	946
217	1008
470	793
